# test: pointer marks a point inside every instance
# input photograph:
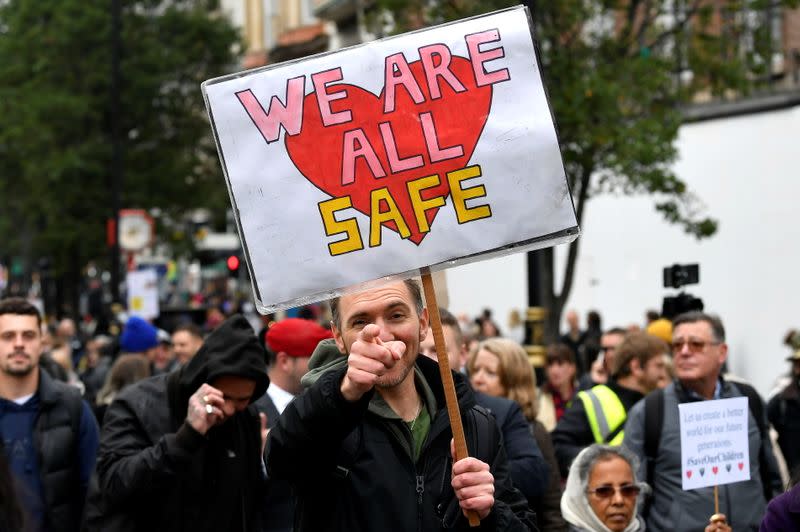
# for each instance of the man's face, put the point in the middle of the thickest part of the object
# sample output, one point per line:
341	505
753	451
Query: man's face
185	345
295	368
696	353
654	374
455	349
391	308
572	319
20	344
608	346
237	392
162	355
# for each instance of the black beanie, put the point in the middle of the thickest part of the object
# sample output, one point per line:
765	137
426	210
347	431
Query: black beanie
231	349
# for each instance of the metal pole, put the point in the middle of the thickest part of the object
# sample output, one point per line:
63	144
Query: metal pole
116	142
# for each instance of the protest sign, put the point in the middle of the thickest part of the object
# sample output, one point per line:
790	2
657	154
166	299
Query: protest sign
714	442
143	294
423	150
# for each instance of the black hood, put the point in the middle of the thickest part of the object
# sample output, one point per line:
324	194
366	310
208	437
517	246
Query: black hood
232	349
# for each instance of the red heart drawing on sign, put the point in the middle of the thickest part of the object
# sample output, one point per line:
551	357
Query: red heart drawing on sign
689	474
715	469
741	465
458	118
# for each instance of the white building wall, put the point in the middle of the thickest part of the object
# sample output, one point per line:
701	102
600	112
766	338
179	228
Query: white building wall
745	170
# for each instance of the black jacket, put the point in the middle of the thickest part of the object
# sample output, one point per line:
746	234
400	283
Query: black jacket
353	471
277	508
573	432
783	411
156	473
56	437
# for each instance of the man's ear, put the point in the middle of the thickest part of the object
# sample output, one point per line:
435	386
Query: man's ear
281	360
424	324
337	336
463	354
723	353
636	367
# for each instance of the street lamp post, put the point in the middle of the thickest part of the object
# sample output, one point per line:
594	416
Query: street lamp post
116	143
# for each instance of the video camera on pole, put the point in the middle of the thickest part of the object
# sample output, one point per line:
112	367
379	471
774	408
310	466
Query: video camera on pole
676	276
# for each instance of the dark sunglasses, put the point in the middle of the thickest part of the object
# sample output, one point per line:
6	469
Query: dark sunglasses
628	491
606	349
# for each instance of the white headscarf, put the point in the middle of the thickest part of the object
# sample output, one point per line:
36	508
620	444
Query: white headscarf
575	506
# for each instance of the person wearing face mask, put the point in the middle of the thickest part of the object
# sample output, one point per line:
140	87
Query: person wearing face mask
602	492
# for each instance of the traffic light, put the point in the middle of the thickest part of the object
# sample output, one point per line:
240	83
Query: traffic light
233	264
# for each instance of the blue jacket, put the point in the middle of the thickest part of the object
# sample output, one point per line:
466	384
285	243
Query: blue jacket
529	471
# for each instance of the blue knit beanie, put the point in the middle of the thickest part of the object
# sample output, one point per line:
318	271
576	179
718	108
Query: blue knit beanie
138	336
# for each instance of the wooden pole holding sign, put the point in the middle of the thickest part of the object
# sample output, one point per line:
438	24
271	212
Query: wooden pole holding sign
447	378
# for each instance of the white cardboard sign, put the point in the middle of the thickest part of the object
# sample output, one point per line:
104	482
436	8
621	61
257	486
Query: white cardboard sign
143	294
427	149
714	442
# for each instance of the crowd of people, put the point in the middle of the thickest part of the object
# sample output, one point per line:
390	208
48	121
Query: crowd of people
341	423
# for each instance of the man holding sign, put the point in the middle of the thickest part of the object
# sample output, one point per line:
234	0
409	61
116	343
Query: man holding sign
368	446
679	503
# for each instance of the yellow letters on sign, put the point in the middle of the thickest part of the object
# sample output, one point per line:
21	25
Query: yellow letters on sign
420	205
379	217
335	227
460	195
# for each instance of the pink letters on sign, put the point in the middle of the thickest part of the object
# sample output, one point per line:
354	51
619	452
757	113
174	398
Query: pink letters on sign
396	164
397	72
324	98
434	71
478	58
290	116
357	145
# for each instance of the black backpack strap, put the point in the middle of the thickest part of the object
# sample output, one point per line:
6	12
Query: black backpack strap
483	434
756	406
653	423
617	430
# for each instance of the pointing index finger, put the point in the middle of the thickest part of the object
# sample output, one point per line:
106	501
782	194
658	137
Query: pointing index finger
370	333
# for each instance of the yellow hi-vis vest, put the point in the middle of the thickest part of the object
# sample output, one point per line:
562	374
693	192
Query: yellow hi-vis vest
605	413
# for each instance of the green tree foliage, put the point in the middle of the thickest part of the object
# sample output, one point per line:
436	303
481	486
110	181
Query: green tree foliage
618	73
55	100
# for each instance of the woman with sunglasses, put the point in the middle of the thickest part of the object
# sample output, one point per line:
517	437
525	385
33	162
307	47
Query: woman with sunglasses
602	491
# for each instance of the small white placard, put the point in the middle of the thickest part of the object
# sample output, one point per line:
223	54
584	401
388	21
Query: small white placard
143	294
714	443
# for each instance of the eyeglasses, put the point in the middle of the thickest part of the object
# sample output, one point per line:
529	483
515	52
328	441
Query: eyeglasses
606	349
629	491
695	346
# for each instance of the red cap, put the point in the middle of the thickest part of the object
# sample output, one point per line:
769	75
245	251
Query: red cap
296	337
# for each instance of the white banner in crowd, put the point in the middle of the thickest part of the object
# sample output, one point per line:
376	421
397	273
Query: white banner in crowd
143	294
427	149
714	445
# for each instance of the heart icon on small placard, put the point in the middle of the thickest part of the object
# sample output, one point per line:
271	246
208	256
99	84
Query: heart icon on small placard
459	118
715	469
702	471
689	474
741	465
728	467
